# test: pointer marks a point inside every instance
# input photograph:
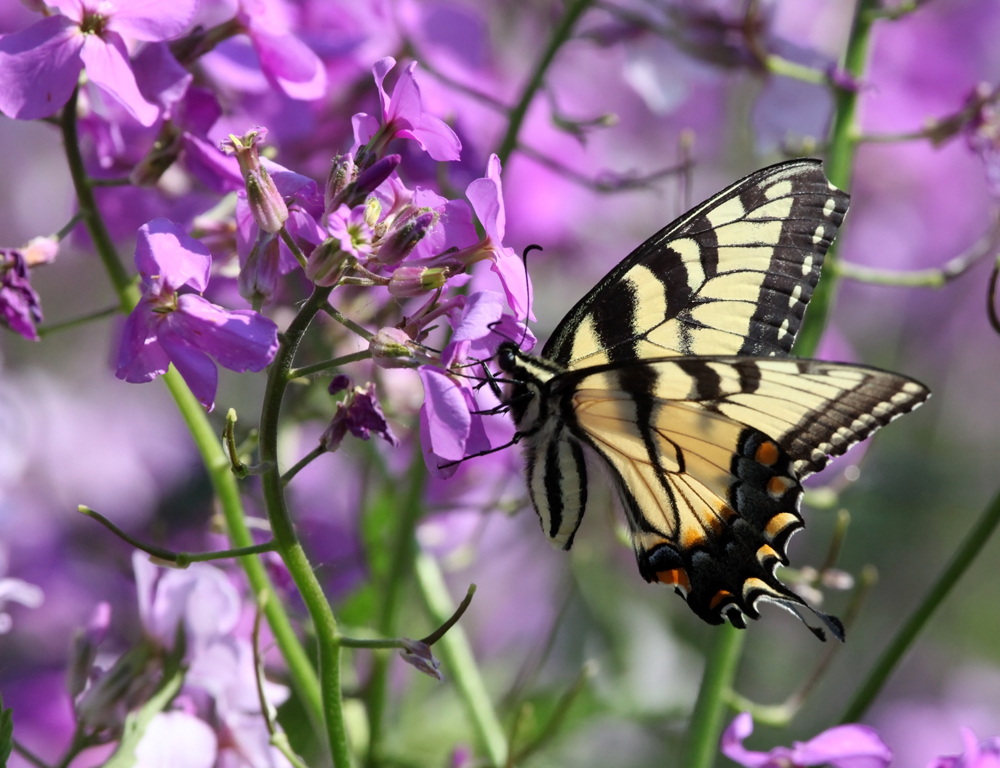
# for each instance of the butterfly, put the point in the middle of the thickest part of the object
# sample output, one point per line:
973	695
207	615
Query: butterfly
675	373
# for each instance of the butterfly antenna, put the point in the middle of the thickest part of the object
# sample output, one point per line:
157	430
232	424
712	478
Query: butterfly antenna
524	258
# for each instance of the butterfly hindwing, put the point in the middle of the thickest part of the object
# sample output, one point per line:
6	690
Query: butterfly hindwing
732	276
708	454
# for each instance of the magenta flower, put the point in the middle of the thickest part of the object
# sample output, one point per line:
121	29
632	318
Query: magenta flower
403	117
486	196
348	227
978	754
40	65
288	64
844	746
184	329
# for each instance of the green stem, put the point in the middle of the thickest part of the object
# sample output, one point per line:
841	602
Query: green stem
100	314
178	559
710	709
336	362
303	677
345	321
404	549
301	570
459	663
302	463
559	36
839	160
907	634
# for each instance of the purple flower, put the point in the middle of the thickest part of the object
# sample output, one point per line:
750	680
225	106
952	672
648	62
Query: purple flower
40	65
20	307
844	746
184	329
978	754
486	196
982	133
176	738
403	117
15	591
360	414
289	65
349	227
418	654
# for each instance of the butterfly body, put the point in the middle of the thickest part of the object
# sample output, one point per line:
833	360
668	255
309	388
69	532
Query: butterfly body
674	371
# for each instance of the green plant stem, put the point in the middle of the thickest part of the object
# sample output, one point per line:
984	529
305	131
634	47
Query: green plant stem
47	330
710	709
326	365
459	662
327	636
302	463
559	36
839	161
907	634
303	677
178	559
404	549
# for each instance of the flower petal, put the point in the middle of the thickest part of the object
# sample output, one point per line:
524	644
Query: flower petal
844	746
152	20
486	196
444	421
107	64
380	69
290	65
166	255
176	738
732	743
140	357
39	68
197	370
240	340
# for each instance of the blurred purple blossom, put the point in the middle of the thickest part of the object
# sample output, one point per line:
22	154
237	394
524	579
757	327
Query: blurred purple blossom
183	329
982	133
403	116
40	66
13	590
978	754
843	746
20	306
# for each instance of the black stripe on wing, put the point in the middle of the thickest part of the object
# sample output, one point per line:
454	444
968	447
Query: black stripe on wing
732	276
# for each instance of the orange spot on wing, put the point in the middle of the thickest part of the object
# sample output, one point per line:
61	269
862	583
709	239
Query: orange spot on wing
720	596
766	552
778	523
767	454
692	538
677	576
777	486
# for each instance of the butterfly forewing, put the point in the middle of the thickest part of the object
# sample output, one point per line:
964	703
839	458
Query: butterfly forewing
675	372
732	276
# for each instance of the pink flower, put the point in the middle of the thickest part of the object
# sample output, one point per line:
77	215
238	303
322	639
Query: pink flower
40	65
844	746
403	117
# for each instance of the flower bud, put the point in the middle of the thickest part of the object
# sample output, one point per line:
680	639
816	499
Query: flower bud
84	651
373	209
398	244
326	263
390	348
342	174
259	275
409	281
418	654
266	203
370	179
40	250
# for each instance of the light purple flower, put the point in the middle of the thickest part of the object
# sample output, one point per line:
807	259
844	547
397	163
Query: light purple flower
40	65
982	133
15	591
349	227
486	196
288	64
978	754
184	329
449	428
844	746
403	117
176	738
